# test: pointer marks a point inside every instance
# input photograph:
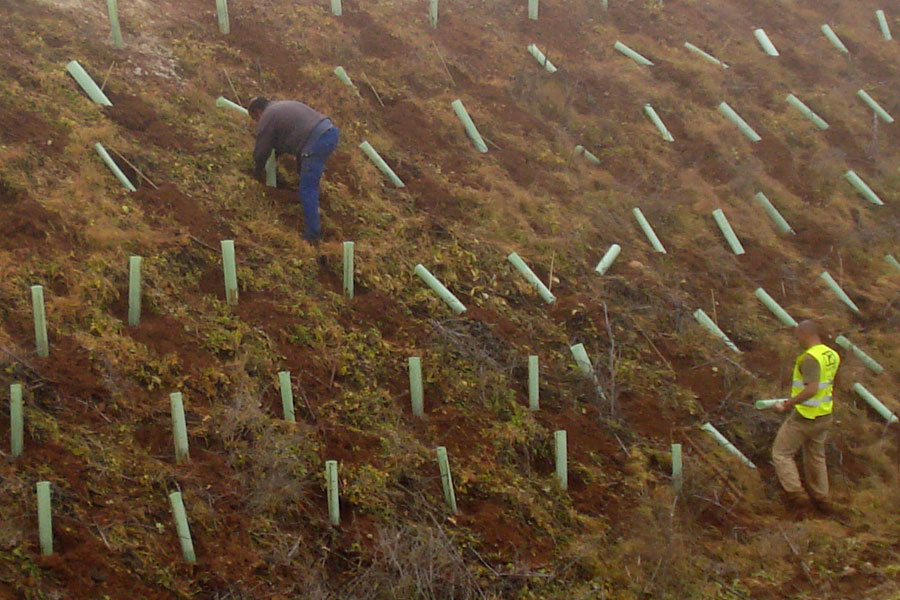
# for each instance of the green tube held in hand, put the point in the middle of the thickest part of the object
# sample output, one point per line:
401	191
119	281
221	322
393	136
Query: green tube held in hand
727	231
446	478
16	420
87	84
113	9
222	13
229	268
45	518
533	279
179	427
636	57
723	441
834	39
730	114
561	455
41	341
806	111
534	389
648	230
863	188
181	527
541	58
867	360
416	388
469	125
222	102
770	303
134	290
654	118
874	402
838	291
870	101
431	281
369	151
333	491
780	223
107	159
892	261
764	41
767	404
608	259
705	55
287	396
883	24
709	324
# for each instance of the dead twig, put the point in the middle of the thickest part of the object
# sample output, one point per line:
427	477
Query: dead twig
436	49
797	554
105	77
725	478
374	91
552	264
197	240
231	85
22	362
136	170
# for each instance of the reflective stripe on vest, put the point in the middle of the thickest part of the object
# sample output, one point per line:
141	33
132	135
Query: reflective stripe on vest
822	403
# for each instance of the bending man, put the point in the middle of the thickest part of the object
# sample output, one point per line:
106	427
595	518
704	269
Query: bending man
290	127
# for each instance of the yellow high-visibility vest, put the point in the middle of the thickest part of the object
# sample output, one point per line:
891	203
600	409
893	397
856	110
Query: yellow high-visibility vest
822	403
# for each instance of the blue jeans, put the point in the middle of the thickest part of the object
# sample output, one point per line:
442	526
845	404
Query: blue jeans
312	166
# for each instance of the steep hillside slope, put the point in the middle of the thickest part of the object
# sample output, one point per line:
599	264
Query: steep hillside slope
97	413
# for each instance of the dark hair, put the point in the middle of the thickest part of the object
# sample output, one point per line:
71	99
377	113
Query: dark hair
258	104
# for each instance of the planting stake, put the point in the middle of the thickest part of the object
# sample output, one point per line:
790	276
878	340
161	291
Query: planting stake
663	130
875	403
863	188
764	41
416	391
222	11
348	269
382	166
336	9
806	111
41	341
114	167
287	396
272	171
134	290
230	269
87	84
181	527
179	427
727	445
16	420
892	261
867	360
677	477
433	12
770	303
840	293
446	478
834	39
704	320
331	484
730	114
438	287
534	389
590	156
608	259
45	518
648	230
113	8
562	471
533	9
526	271
727	231
705	55
882	114
222	102
467	122
345	79
882	22
767	404
780	223
582	360
541	58
632	54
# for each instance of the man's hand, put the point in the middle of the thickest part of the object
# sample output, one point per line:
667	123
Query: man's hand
781	407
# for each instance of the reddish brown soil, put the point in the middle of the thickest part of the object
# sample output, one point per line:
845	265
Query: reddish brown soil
25	127
140	118
169	201
26	226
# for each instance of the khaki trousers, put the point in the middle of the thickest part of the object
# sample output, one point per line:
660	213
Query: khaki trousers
810	434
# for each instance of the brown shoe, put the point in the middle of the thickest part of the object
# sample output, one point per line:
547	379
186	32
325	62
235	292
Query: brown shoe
795	499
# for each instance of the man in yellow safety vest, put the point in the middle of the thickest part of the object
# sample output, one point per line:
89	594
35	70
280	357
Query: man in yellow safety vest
810	418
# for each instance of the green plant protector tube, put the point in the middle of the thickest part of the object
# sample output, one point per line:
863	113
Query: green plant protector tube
179	427
433	12
764	41
229	267
45	518
534	388
446	478
113	8
863	188
605	4
560	453
867	360
892	261
870	101
134	290
704	320
331	484
585	367
336	8
767	404
780	223
632	54
541	58
181	527
587	154
107	159
345	79
272	171
222	12
533	279
770	303
533	9
222	102
648	230
41	341
806	111
834	39
654	117
677	475
369	151
431	281
287	396
16	420
727	231
348	269
882	22
730	114
467	122
416	389
608	259
838	291
705	55
723	441
87	84
874	402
